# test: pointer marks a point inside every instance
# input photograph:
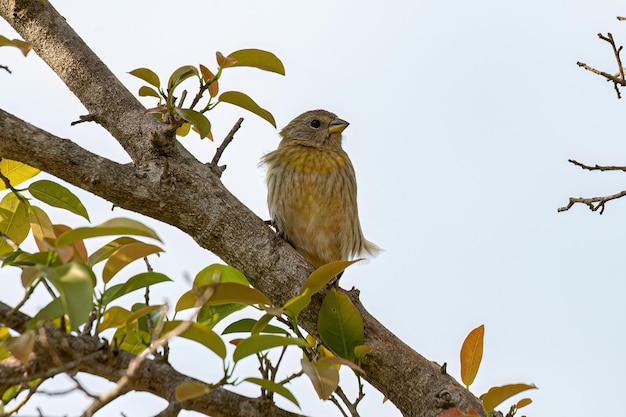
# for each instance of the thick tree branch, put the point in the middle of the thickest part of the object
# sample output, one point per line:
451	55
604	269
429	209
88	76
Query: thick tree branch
88	354
168	184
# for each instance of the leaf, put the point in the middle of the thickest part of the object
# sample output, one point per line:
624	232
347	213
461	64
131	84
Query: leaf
324	274
336	360
208	76
16	172
274	387
24	47
245	102
57	195
257	58
147	75
76	250
53	310
361	351
472	354
497	395
105	251
119	226
261	342
452	412
199	120
180	75
137	282
75	283
191	390
340	325
145	91
21	346
124	256
132	340
296	304
42	228
113	317
224	293
523	403
14	221
246	326
183	130
223	61
323	375
201	334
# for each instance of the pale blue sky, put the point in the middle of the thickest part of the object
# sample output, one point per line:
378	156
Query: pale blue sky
463	115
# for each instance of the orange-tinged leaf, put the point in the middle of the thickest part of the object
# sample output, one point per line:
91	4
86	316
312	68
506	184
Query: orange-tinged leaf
75	249
451	412
209	77
125	255
472	412
497	395
223	61
323	375
245	102
42	228
472	354
24	47
183	130
191	390
523	402
16	172
257	58
147	75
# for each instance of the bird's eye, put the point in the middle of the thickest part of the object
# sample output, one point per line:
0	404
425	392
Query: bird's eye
315	123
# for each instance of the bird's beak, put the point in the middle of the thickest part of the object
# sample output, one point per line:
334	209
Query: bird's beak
338	126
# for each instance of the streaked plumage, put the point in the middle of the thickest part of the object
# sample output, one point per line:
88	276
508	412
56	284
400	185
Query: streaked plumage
312	190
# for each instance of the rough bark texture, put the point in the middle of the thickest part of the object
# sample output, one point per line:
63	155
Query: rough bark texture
167	183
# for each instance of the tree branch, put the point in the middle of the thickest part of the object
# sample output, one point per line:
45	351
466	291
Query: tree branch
170	185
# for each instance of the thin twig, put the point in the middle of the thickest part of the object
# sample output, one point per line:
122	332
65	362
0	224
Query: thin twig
594	203
597	167
344	398
122	385
85	118
5	68
220	150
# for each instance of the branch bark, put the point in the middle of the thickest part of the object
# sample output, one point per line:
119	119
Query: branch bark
54	349
167	183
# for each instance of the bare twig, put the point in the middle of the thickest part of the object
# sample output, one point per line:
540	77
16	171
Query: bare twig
617	79
172	410
344	398
597	167
122	385
5	68
594	203
85	118
220	150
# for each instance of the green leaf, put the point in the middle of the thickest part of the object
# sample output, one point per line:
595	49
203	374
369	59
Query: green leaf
57	195
324	376
261	342
132	340
54	309
14	221
246	326
361	351
245	102
147	75
137	282
497	395
124	256
340	325
180	75
75	283
16	172
201	334
274	387
199	120
472	355
145	91
119	226
258	58
105	251
210	315
323	275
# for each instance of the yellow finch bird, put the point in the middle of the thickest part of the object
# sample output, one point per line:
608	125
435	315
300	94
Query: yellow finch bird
312	190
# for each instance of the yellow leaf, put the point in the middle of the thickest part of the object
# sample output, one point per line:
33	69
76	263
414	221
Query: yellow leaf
16	172
496	395
191	390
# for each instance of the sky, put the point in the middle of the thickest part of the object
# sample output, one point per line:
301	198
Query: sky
462	118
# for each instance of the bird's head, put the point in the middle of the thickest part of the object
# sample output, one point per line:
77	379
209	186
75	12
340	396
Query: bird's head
317	128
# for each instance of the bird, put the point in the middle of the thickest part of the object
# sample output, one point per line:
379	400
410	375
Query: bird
312	190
